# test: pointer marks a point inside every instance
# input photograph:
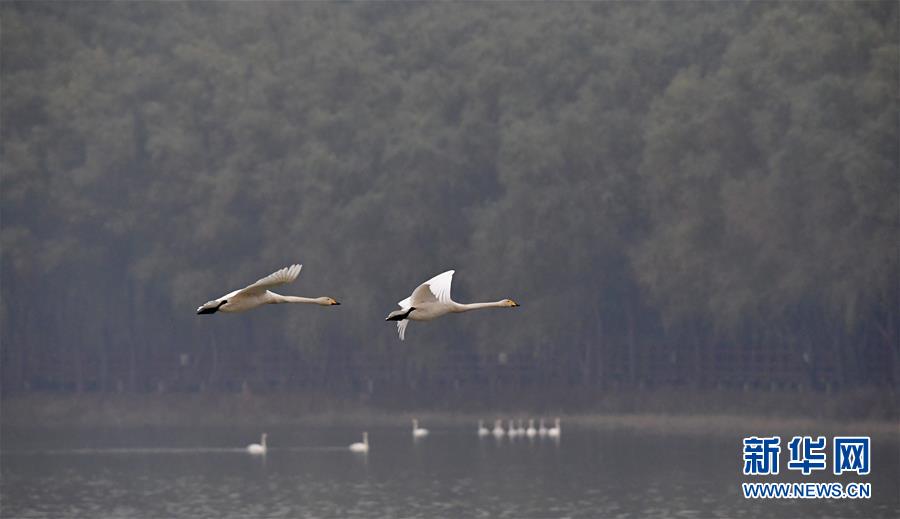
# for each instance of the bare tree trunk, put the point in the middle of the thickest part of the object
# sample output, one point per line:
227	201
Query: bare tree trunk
586	361
599	375
632	346
214	361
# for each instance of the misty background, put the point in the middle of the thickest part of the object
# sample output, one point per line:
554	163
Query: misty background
680	195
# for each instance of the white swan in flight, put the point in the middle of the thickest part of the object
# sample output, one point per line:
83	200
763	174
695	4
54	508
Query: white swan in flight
258	294
431	300
258	448
361	447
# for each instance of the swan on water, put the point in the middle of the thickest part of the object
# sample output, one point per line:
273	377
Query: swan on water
511	430
554	431
531	431
542	429
498	429
431	300
482	430
418	432
361	447
258	448
258	294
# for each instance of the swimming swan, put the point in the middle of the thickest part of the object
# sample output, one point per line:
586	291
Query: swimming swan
542	430
531	432
482	430
258	294
418	432
431	300
554	431
512	431
361	447
498	429
258	448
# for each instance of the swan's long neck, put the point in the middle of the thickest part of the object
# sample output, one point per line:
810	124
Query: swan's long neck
465	307
278	298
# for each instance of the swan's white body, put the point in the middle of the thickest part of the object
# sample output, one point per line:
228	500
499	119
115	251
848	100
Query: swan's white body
258	294
520	430
361	447
482	430
498	429
431	300
512	431
258	448
531	432
554	431
542	429
418	432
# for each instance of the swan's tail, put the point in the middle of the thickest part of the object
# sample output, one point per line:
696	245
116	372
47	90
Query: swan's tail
401	328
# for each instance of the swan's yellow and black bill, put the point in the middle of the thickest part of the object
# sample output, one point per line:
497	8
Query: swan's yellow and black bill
210	307
399	315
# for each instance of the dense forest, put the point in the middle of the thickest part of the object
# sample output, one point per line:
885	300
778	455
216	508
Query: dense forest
679	193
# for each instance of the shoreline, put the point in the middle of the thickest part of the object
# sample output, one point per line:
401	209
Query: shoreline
210	410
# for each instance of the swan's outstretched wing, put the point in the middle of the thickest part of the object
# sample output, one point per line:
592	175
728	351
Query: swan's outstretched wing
279	277
436	289
440	286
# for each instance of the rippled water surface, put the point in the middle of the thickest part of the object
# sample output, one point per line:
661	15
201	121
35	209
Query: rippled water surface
308	472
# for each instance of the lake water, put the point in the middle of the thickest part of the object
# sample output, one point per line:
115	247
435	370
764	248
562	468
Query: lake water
309	472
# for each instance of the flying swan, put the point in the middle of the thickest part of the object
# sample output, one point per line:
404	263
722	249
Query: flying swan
431	300
258	294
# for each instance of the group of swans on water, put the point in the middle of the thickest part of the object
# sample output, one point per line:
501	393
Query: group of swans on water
428	301
417	432
363	446
420	432
519	430
261	448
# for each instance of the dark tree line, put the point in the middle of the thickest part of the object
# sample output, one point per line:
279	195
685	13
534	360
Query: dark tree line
677	193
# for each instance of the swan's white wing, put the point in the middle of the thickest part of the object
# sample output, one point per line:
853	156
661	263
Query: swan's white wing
401	328
279	277
436	289
422	294
440	286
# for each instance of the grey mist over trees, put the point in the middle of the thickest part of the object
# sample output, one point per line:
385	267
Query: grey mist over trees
677	193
